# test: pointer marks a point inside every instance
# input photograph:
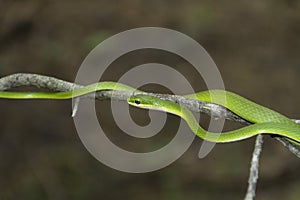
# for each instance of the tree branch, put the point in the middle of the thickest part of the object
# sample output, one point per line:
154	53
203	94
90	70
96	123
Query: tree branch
214	110
54	84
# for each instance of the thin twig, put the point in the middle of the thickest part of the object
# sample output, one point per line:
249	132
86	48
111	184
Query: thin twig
287	144
290	146
253	176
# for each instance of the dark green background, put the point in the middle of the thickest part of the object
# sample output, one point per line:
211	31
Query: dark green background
255	44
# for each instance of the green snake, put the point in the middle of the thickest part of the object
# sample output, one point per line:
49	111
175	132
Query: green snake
265	120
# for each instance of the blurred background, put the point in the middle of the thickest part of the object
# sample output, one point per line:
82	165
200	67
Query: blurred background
255	45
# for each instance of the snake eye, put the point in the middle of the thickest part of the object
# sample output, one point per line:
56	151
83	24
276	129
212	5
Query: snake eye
137	102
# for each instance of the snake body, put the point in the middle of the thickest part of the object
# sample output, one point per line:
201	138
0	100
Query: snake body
280	126
265	120
107	85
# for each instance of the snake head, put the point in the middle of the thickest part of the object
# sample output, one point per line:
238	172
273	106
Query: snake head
143	101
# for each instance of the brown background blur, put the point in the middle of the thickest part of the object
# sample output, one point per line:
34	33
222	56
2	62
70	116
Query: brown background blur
255	44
